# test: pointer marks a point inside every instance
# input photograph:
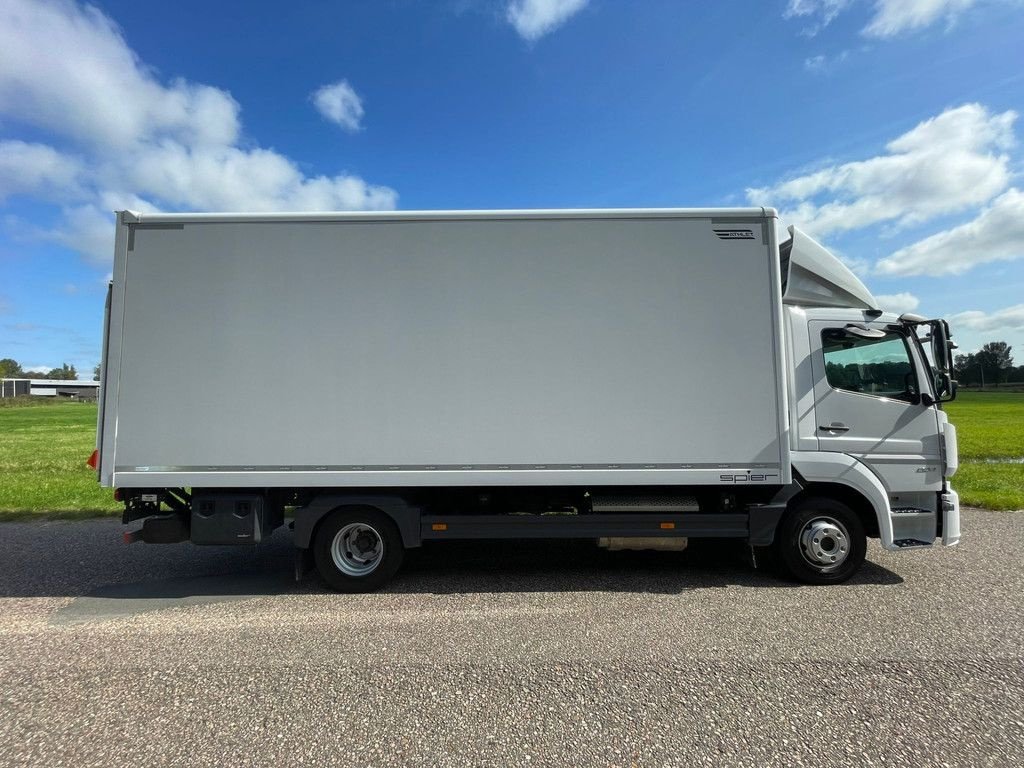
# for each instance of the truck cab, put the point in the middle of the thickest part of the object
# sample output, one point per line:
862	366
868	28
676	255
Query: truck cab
866	390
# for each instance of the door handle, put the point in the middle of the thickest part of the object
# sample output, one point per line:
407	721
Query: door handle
835	426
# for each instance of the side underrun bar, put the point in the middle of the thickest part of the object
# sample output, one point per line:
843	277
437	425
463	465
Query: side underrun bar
581	526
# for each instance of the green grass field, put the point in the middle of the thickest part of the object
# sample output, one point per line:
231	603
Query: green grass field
43	449
990	431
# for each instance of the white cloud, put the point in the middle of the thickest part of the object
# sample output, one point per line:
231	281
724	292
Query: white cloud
1008	319
228	178
821	63
946	164
893	17
36	168
822	12
89	230
889	17
340	104
92	87
135	140
996	234
815	63
898	302
43	369
533	19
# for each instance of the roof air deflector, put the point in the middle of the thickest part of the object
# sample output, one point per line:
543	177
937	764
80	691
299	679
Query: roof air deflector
814	277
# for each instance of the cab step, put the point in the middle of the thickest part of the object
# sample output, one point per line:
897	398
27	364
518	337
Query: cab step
909	543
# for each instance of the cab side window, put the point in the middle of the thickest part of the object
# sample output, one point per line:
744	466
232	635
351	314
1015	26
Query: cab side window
879	367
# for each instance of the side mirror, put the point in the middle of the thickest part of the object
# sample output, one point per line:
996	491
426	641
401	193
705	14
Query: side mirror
945	387
942	346
940	352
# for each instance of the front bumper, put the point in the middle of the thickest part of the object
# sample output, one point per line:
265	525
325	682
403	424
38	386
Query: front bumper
950	510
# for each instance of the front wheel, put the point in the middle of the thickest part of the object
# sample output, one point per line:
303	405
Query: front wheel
357	549
821	541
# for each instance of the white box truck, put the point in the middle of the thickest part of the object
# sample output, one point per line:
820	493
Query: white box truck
636	377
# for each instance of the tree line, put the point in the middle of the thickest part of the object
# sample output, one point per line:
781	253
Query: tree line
11	369
992	364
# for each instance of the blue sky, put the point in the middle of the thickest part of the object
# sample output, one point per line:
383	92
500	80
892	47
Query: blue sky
888	129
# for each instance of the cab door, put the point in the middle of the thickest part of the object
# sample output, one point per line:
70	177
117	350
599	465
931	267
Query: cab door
868	404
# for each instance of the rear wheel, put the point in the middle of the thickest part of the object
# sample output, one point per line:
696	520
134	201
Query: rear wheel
357	549
821	541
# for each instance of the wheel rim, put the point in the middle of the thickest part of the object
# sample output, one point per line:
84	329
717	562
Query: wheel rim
357	549
825	543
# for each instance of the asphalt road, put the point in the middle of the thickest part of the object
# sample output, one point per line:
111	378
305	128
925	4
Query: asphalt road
507	654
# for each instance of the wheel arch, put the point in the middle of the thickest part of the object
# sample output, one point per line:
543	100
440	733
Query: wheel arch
406	516
844	478
849	496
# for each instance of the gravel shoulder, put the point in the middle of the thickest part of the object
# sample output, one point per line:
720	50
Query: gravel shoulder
506	653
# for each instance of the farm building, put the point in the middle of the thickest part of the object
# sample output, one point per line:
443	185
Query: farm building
74	389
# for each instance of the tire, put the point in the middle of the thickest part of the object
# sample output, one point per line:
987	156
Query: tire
821	541
357	549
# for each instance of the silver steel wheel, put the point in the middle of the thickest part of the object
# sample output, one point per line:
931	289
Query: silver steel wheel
357	549
825	543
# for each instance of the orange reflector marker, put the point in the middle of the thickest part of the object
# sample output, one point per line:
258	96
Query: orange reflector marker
667	526
439	526
93	459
